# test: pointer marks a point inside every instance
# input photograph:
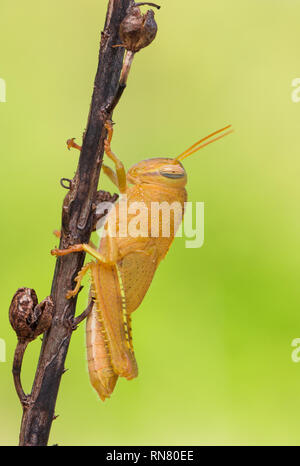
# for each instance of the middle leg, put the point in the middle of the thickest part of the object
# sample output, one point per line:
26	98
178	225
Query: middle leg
83	248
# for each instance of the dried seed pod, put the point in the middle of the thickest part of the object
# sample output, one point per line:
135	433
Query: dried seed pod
28	318
99	216
137	30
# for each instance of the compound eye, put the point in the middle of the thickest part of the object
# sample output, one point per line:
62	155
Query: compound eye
173	172
173	176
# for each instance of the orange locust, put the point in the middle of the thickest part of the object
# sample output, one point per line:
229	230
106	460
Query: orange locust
125	266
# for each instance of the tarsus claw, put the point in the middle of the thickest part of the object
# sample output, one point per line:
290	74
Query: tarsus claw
71	143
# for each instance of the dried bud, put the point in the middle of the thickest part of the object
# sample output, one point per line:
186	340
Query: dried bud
103	201
28	318
137	30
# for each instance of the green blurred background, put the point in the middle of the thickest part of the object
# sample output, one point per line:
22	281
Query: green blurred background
213	336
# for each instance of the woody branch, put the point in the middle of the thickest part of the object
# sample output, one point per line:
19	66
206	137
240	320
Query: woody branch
77	224
127	27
